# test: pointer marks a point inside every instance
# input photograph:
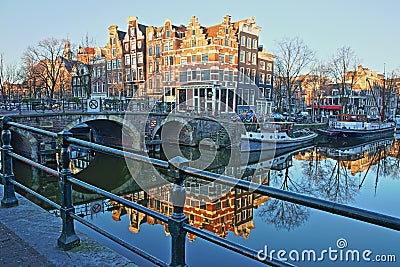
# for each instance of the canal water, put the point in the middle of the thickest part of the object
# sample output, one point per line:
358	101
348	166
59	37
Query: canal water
364	175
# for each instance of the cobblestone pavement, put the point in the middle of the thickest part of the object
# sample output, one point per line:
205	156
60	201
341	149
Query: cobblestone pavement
16	252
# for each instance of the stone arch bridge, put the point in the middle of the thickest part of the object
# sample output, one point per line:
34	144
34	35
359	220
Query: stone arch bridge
134	130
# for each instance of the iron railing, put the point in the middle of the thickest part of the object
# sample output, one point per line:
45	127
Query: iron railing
177	223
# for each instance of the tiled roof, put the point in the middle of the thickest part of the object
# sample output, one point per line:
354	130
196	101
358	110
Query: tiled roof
212	31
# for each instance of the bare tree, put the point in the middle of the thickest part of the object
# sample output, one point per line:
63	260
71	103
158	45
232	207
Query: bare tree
343	69
392	90
44	61
9	75
318	80
293	57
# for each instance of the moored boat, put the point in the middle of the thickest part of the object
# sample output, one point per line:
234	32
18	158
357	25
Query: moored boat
358	126
275	135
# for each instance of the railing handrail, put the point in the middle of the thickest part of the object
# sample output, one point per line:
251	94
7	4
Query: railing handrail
178	221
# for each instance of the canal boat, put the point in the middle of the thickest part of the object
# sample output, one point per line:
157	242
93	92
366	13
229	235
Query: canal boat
275	135
358	126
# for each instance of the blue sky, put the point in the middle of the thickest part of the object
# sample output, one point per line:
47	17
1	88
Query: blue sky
369	27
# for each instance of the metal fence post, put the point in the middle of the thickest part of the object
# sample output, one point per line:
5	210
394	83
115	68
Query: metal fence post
178	218
9	199
68	238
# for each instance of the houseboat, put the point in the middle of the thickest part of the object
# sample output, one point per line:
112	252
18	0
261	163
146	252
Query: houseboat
358	126
275	135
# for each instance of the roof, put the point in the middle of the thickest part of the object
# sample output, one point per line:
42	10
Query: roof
121	35
69	65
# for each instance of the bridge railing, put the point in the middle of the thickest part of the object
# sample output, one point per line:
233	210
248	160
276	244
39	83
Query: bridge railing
178	222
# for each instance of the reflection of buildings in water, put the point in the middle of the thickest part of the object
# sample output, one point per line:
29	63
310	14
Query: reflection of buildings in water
232	211
359	158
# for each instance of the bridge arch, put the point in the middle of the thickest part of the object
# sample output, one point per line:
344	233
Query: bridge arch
115	127
175	129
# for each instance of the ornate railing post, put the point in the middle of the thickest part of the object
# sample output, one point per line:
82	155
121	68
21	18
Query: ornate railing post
178	218
9	199
68	238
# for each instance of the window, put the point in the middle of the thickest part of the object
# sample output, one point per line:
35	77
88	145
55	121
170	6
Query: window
226	42
230	76
166	46
167	76
268	80
183	60
150	36
112	41
119	63
133	45
150	67
241	56
205	75
221	58
262	78
194	58
171	60
269	66
114	52
127	75
248	42
254	59
127	59
140	58
194	75
168	33
204	58
139	44
158	50
126	46
114	64
248	57
253	75
183	76
255	43
241	75
108	65
157	67
193	43
140	74
243	40
133	31
133	75
150	50
230	59
133	60
193	32
262	65
221	75
119	77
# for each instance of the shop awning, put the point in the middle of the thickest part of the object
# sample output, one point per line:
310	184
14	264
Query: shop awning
329	107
